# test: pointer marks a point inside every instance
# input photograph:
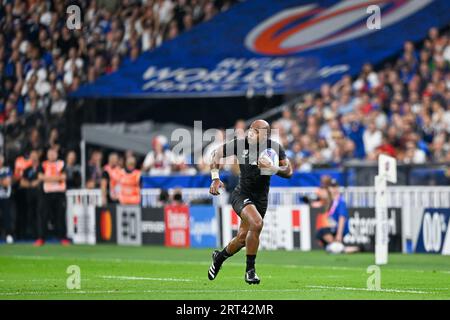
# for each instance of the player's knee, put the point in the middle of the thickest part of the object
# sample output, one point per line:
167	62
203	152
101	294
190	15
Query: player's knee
257	225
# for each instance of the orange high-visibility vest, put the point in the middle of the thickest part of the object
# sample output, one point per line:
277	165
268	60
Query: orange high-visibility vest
114	180
20	165
130	189
53	169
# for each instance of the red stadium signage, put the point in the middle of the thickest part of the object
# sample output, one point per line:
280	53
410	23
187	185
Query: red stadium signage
296	217
176	218
234	223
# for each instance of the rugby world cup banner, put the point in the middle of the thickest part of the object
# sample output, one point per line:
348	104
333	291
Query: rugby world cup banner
273	47
433	235
285	227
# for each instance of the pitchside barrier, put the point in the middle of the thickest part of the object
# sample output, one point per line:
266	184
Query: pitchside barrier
80	214
418	219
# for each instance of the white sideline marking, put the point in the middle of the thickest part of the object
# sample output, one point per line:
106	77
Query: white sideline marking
306	289
365	289
144	278
203	263
35	280
148	291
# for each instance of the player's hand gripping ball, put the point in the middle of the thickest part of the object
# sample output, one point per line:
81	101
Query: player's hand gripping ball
268	162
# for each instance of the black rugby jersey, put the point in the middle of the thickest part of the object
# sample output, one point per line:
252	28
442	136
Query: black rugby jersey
251	180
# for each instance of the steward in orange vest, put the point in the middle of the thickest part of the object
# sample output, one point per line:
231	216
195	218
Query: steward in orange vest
20	165
130	183
110	180
53	177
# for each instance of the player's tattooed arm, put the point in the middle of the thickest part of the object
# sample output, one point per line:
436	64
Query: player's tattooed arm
285	168
216	184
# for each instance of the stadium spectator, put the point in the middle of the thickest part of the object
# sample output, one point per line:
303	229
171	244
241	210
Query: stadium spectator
32	185
163	198
286	120
58	104
54	141
53	176
158	161
440	147
130	183
372	138
21	163
94	170
128	153
354	130
177	196
181	165
386	147
73	171
413	154
239	129
5	199
34	141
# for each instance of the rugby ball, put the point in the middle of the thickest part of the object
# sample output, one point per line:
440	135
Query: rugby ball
272	156
335	248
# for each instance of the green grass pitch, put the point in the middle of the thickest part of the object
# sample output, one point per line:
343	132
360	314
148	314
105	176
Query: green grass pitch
115	272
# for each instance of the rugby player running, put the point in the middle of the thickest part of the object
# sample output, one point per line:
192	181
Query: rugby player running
249	198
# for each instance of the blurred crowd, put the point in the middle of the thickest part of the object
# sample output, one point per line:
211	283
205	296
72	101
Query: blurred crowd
401	110
42	61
